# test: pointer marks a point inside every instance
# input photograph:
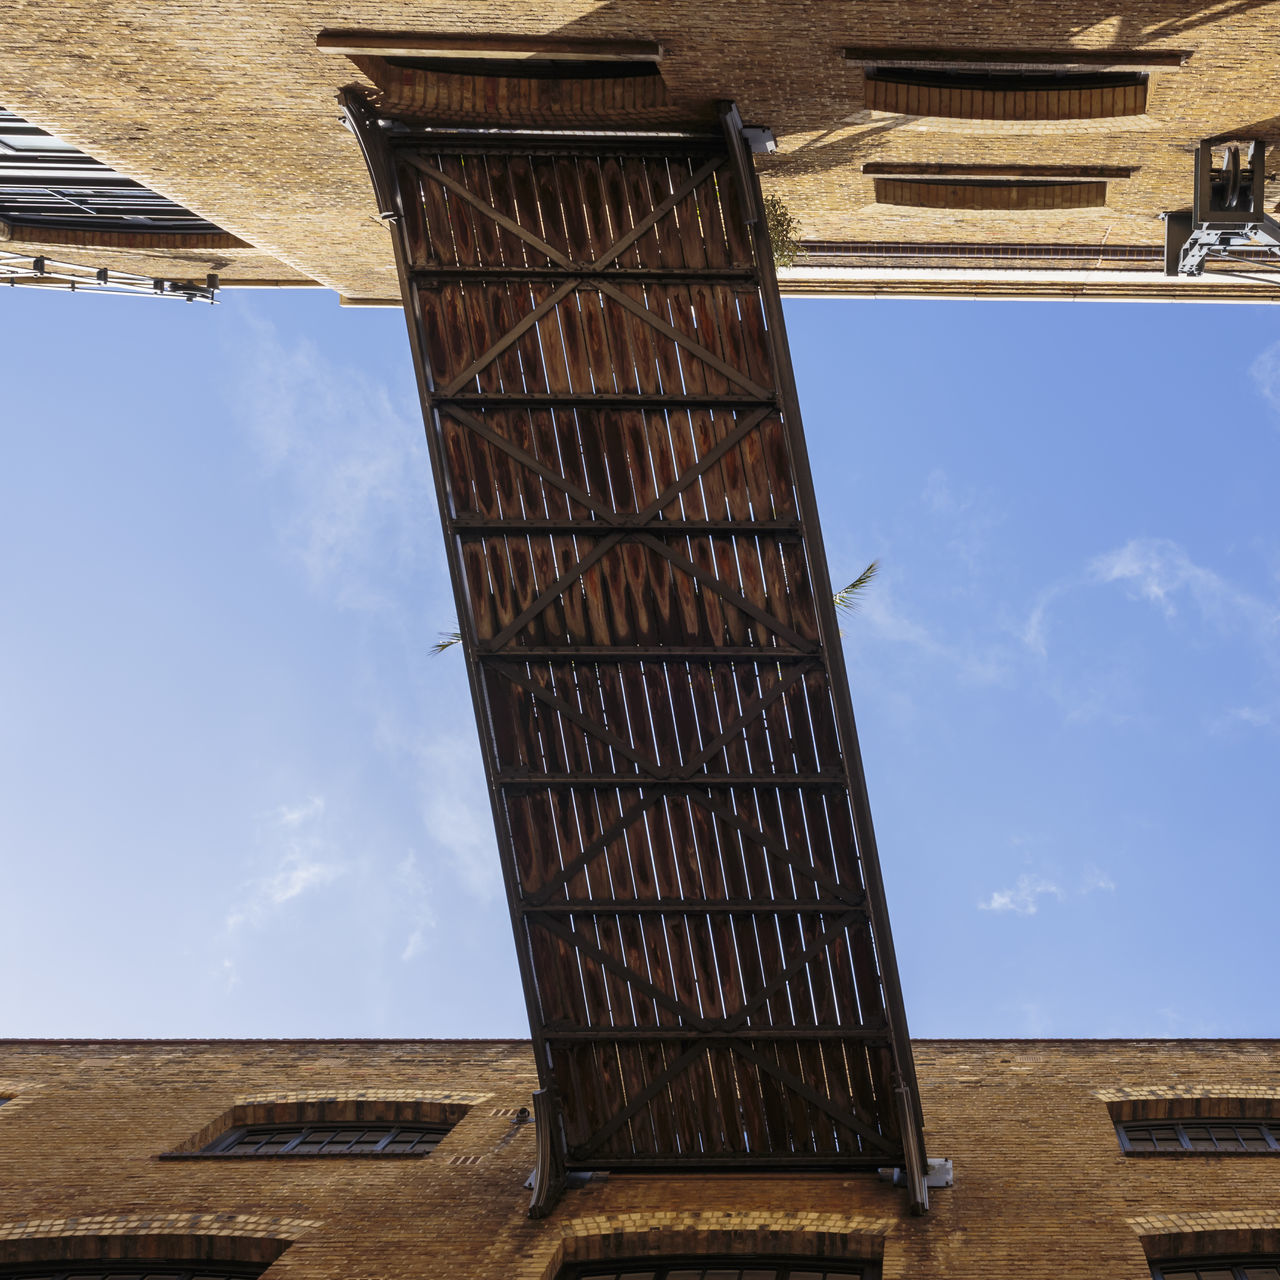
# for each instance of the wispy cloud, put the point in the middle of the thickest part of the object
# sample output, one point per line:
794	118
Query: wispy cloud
879	612
1160	572
298	860
445	771
1035	631
348	466
1265	372
1024	898
412	883
966	520
456	814
1096	880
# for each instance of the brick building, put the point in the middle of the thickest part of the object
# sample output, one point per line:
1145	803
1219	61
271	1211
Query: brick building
100	1158
925	149
930	150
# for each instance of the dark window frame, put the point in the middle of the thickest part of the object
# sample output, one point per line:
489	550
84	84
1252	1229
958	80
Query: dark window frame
428	1137
1268	1127
1194	1268
133	1269
715	1267
46	183
1004	95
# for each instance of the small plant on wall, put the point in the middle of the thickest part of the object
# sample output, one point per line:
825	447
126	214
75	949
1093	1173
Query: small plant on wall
783	231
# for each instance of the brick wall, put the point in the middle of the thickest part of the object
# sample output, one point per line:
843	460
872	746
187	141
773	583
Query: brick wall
227	106
1041	1185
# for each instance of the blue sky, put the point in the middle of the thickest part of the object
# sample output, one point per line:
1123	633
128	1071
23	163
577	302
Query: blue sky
239	797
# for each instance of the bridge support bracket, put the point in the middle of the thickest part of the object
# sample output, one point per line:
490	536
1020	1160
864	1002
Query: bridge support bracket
548	1172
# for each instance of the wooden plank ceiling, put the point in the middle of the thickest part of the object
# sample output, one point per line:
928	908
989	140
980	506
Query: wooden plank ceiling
653	649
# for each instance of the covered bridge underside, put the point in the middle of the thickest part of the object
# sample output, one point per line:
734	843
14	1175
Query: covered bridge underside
652	646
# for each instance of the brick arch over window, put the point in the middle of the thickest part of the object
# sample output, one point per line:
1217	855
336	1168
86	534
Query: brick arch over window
1166	1104
344	1109
472	97
515	80
16	1095
188	1238
1228	1233
829	1238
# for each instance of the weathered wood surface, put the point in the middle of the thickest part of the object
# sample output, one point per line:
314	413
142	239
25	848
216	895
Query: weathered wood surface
627	528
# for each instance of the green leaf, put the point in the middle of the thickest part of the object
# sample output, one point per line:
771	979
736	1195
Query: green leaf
847	597
446	641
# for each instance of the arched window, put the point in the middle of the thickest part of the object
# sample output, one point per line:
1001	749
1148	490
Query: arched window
738	1268
132	1269
1246	1268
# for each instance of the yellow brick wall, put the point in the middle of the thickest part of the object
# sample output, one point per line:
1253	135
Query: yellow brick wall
1042	1187
227	106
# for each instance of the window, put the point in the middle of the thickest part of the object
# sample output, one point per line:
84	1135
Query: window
363	1125
995	195
328	1140
131	1269
1227	1136
45	182
1006	95
727	1269
1255	1268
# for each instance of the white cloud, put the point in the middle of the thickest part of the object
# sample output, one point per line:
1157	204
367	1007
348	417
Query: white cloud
938	495
1035	631
1158	570
298	861
456	813
353	494
412	885
1096	880
1265	372
878	612
1024	897
1259	717
446	772
966	521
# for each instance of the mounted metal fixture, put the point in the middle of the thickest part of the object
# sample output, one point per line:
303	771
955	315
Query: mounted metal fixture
46	273
1228	221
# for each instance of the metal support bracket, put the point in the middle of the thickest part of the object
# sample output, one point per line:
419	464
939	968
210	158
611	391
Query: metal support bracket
548	1172
1228	220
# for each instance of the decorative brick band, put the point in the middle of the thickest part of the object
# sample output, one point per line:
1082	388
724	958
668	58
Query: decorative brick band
1220	1090
443	1096
727	1234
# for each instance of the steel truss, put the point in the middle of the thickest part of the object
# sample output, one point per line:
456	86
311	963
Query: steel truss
653	651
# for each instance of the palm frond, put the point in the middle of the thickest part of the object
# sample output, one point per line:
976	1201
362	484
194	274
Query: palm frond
847	597
446	641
